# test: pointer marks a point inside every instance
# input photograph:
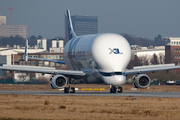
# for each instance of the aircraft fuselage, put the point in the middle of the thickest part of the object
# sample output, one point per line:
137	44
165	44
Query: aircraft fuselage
103	56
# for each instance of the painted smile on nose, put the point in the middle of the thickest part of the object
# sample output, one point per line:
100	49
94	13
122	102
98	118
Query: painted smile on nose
114	78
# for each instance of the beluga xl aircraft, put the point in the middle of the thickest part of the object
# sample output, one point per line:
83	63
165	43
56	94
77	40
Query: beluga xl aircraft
97	58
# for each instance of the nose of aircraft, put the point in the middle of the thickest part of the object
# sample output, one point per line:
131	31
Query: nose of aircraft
116	80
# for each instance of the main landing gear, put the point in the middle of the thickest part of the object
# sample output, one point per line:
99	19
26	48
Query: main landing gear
69	89
115	89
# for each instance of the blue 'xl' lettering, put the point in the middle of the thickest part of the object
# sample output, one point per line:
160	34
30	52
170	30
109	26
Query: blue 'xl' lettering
116	51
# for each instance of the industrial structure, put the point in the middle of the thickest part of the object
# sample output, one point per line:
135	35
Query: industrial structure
57	46
12	30
2	20
18	59
148	52
172	50
15	56
42	44
10	12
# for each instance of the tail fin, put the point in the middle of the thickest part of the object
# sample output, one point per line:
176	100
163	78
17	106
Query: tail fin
71	32
25	53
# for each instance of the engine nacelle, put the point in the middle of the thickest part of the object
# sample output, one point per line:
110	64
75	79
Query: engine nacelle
58	81
141	81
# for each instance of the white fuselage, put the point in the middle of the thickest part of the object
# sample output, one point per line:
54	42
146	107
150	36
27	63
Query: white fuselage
102	56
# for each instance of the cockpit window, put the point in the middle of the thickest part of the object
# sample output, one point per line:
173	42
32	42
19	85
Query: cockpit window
118	73
110	74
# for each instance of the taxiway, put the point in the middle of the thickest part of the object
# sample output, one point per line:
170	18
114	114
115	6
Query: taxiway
85	93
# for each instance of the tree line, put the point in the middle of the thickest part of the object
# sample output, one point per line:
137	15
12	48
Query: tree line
18	40
145	42
146	60
132	39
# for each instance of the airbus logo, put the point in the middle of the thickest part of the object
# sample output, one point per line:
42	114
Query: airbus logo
115	51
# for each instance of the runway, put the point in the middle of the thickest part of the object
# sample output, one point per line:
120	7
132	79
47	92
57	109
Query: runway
84	93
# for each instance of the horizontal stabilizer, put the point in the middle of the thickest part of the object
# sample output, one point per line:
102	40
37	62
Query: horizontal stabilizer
26	50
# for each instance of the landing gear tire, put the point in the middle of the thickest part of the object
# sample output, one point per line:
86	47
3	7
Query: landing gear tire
120	89
72	90
113	89
66	90
69	89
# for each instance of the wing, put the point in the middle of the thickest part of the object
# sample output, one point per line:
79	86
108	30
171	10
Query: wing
57	61
44	70
152	68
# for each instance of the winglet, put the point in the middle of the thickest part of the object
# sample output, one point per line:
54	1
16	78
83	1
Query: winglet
71	32
25	53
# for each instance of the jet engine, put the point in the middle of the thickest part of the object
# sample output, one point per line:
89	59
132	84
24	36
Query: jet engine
141	81
58	81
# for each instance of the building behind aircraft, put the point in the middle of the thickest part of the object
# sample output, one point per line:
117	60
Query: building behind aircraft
83	25
12	30
95	58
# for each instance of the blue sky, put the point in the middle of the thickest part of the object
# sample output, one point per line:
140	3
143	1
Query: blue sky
142	18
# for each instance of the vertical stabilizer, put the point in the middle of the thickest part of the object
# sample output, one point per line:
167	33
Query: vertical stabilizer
71	32
25	53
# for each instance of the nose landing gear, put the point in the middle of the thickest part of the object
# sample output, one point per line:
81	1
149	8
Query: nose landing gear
115	89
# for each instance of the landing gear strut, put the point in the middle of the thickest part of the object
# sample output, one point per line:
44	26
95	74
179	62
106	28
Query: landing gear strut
69	89
115	89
